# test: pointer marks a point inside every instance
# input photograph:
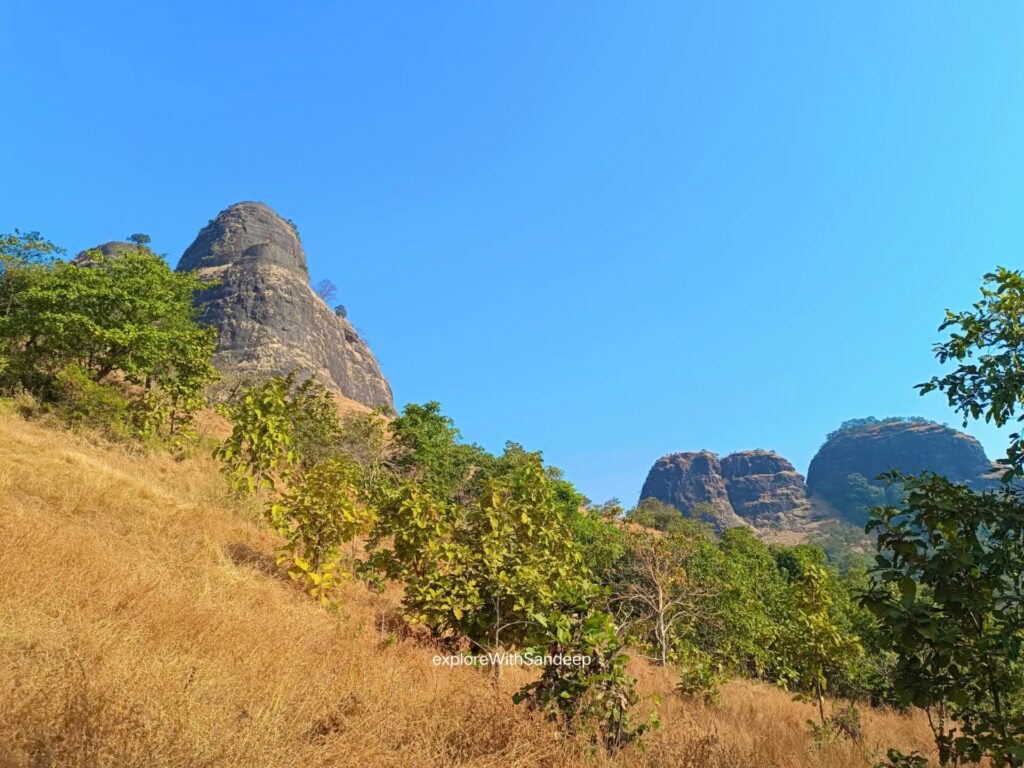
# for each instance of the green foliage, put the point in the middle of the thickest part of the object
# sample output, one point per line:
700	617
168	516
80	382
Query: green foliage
140	238
484	546
316	515
486	570
125	320
987	342
947	584
897	759
602	543
811	640
599	692
260	448
856	425
316	429
24	258
430	451
82	402
740	624
652	513
699	675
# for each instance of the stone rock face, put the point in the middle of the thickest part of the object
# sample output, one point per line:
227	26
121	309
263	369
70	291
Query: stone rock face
758	489
870	447
764	488
113	248
269	319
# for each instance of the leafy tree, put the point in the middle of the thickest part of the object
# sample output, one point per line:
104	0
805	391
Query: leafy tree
261	447
431	452
601	541
316	427
740	624
987	343
812	641
599	691
140	238
23	258
124	318
947	584
485	571
652	513
316	515
81	401
340	311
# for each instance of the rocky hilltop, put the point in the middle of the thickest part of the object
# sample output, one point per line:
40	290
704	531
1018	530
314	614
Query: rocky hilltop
269	319
759	489
868	447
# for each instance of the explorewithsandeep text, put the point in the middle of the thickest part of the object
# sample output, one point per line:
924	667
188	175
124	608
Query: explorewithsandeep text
505	659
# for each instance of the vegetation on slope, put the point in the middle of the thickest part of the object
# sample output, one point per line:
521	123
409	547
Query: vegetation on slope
145	623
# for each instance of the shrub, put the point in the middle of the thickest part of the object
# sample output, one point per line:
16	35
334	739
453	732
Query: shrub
80	401
318	514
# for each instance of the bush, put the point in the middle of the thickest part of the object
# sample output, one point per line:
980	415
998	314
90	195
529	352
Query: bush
80	401
698	676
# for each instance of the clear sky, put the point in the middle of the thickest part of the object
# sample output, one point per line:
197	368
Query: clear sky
605	230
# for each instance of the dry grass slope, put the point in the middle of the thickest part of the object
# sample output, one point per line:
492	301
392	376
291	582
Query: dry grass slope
142	624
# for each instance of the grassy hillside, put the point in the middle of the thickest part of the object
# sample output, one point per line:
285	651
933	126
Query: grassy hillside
143	623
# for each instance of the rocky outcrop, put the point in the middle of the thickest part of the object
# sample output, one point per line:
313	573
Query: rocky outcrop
765	489
759	489
868	447
269	319
113	248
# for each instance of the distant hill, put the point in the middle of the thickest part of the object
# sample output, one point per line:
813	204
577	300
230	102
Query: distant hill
762	490
758	489
845	469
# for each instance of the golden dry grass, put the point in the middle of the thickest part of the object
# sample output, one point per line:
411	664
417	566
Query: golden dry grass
142	623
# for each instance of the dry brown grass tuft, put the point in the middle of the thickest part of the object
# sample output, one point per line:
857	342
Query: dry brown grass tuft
142	623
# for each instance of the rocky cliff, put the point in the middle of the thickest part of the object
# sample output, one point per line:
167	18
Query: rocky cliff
269	319
868	447
759	489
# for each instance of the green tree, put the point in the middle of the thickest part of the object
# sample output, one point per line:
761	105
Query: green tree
987	343
487	570
261	447
430	451
741	623
601	541
23	256
811	640
125	318
947	584
316	515
599	691
652	513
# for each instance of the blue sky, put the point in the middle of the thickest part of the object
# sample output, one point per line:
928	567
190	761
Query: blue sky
605	230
